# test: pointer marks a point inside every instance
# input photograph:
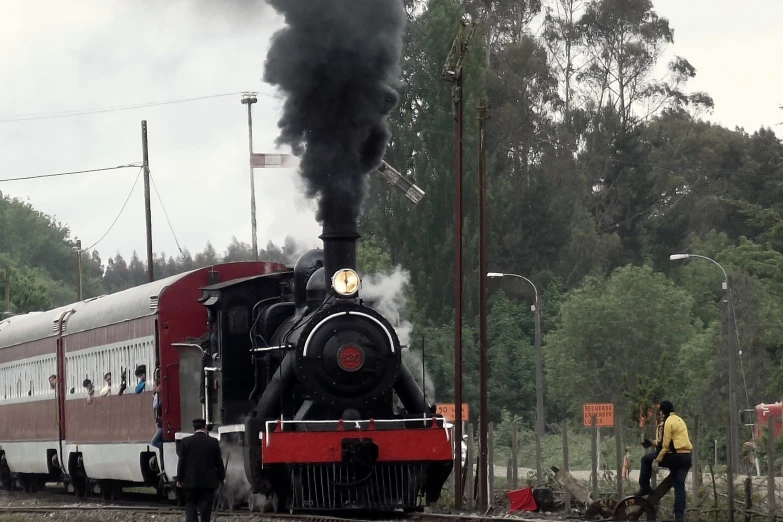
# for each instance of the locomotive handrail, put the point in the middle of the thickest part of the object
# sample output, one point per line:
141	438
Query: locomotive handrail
190	345
370	423
270	348
207	370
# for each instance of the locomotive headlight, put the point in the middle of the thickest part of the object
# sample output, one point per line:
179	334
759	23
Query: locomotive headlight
345	282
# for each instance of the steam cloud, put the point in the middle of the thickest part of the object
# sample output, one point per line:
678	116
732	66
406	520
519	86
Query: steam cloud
337	61
385	292
237	490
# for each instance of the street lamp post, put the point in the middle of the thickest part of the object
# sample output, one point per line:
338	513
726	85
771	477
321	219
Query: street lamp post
733	426
536	308
249	99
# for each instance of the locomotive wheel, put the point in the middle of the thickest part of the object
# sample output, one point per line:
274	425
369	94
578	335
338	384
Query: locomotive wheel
634	508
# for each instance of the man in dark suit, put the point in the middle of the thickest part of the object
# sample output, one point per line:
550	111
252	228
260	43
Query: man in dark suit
200	471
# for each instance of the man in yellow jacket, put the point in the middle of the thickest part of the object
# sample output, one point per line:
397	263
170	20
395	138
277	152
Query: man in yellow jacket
674	452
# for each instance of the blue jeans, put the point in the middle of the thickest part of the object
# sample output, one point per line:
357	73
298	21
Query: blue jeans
157	439
645	471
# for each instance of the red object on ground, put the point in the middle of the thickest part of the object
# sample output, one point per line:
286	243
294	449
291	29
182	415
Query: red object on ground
522	500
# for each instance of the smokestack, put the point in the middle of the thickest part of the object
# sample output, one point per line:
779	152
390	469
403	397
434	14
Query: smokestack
339	237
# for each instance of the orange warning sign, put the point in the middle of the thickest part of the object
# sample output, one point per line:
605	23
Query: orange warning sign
449	411
604	414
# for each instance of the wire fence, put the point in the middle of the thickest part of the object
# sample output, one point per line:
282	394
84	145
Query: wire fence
604	464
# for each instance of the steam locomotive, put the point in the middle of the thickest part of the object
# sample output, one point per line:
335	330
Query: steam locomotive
334	419
301	380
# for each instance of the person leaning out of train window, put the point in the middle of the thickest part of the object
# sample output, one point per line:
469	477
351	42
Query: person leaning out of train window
123	380
141	374
106	390
88	386
53	382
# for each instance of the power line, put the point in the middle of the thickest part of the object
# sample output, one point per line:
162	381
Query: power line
71	173
166	214
118	215
99	110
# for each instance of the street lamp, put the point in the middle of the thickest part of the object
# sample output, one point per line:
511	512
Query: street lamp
733	429
536	308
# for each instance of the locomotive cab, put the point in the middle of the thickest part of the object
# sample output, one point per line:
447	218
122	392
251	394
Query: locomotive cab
232	368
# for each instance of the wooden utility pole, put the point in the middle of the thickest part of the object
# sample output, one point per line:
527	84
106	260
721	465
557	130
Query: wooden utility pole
452	72
484	472
147	210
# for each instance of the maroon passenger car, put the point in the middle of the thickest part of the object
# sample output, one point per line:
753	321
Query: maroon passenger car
63	430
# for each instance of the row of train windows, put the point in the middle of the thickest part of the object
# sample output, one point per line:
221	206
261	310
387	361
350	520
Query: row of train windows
27	379
94	366
32	379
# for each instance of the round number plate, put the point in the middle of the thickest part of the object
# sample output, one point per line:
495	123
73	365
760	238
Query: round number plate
350	358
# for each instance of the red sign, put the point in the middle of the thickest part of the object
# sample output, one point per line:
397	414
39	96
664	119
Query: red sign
604	414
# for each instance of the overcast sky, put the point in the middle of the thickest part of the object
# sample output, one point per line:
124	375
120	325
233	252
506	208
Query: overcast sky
88	54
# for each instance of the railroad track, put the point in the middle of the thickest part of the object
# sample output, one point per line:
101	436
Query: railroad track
54	503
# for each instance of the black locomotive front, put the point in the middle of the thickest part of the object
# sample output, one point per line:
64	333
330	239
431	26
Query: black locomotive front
323	430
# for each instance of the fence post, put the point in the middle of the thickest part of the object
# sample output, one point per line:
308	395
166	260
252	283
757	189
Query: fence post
469	478
748	498
695	474
491	465
594	475
771	467
508	474
618	437
514	457
567	499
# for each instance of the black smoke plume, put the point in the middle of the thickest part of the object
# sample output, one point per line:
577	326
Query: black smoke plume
337	61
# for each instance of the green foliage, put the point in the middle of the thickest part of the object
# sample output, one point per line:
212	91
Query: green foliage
617	338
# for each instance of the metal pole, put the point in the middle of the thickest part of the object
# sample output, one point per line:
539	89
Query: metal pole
452	72
483	365
732	353
7	290
458	286
249	100
79	262
539	392
730	475
147	211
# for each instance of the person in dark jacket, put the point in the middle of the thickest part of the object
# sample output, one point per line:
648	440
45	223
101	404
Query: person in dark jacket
200	472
